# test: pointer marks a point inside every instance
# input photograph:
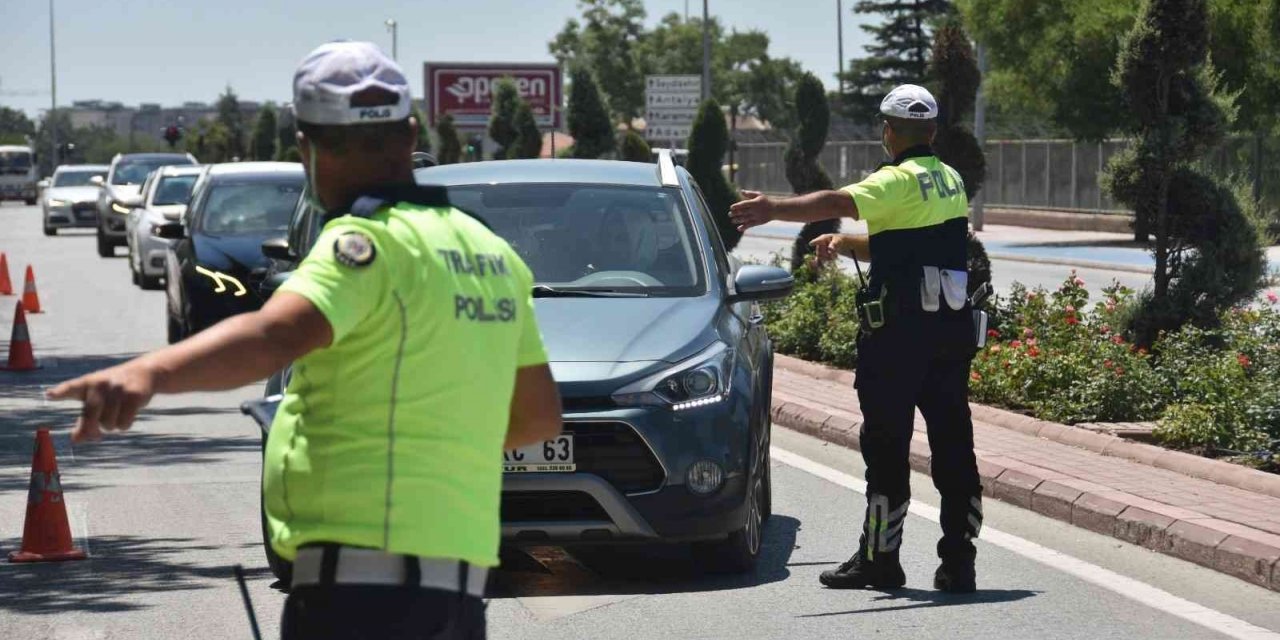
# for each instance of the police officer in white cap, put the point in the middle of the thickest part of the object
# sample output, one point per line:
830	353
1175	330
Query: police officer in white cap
383	471
916	341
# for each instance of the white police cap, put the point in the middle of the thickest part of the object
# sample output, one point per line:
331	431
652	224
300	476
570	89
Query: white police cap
910	102
330	75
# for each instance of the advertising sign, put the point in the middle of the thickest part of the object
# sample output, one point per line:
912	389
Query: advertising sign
671	105
464	90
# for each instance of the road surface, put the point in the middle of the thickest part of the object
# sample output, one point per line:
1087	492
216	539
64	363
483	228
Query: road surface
166	511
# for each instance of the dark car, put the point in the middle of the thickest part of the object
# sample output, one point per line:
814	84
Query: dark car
216	265
121	192
657	343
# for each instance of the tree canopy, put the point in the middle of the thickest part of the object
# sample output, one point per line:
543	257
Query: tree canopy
614	45
899	54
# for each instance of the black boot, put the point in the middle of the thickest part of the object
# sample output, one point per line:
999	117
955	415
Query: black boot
859	573
957	573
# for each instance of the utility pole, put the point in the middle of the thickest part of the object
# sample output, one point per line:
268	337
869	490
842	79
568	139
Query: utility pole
980	132
394	29
706	51
53	103
840	44
686	11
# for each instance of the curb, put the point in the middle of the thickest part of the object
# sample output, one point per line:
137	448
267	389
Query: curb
1064	262
1058	219
1226	547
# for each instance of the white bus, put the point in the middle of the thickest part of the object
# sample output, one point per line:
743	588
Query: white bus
17	173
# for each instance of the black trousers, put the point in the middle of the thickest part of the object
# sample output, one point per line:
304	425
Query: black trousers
918	360
373	612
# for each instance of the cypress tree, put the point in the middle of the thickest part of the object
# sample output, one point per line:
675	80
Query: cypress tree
424	133
1206	248
450	143
528	143
589	122
708	142
262	143
804	172
953	69
502	126
634	148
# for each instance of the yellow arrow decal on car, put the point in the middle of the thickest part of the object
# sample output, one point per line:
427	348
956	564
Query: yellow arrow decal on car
221	279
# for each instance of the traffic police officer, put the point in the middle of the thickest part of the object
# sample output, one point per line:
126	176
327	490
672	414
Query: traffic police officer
416	361
916	343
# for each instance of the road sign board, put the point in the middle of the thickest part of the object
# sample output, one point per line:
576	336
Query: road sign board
671	105
465	91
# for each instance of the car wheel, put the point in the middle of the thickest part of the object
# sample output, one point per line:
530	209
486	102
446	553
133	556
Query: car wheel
30	202
739	552
50	231
150	283
105	248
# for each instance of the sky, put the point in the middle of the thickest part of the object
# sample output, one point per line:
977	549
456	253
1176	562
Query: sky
172	51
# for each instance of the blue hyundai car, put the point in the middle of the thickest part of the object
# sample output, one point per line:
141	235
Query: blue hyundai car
657	342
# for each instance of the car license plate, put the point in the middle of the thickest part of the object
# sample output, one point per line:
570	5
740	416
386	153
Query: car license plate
552	456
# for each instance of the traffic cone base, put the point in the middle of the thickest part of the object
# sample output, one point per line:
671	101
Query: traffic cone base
6	286
20	356
30	298
46	534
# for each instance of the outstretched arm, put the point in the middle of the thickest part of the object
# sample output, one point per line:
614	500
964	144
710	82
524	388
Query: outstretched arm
233	353
757	209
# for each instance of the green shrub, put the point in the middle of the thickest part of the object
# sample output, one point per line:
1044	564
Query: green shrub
708	142
804	172
450	143
817	322
589	122
633	148
528	143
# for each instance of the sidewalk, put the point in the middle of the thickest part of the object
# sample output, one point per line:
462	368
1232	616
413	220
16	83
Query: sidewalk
1144	495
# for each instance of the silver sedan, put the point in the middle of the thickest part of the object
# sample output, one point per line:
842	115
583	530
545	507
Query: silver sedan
71	199
164	199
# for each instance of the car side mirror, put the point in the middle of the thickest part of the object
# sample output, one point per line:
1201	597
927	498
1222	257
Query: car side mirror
273	282
169	231
96	181
277	249
43	184
175	216
756	282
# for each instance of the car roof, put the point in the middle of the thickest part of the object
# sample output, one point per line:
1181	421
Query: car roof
611	172
256	169
81	167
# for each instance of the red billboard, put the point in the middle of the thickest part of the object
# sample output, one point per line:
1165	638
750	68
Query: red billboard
464	90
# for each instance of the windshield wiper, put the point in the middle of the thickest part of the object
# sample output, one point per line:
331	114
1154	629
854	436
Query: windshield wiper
544	291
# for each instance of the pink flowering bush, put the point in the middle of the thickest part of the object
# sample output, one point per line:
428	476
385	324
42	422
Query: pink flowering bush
1061	358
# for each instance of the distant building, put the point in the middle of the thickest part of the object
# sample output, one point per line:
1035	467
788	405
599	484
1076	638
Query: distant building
148	119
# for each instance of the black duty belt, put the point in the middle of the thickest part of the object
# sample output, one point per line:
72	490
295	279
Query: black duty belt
339	565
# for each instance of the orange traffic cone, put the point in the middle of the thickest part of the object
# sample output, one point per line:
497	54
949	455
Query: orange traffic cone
20	356
6	287
30	300
46	537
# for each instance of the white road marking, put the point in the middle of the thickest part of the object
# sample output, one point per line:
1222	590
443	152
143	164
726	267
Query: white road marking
1128	587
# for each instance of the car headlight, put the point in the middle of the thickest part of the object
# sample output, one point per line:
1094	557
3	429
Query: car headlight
54	202
119	208
699	381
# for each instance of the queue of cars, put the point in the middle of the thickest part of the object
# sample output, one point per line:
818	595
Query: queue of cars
654	330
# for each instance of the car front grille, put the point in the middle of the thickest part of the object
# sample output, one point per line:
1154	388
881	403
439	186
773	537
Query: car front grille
615	452
550	506
85	210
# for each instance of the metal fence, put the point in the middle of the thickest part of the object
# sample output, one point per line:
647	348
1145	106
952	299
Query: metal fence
1042	174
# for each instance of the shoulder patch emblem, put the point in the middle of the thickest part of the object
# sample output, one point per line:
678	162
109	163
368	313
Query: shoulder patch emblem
354	249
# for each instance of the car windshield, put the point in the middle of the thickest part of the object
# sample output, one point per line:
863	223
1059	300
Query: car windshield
594	237
173	190
135	171
15	162
75	178
243	208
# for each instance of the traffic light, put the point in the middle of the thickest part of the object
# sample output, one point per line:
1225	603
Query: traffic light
172	134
